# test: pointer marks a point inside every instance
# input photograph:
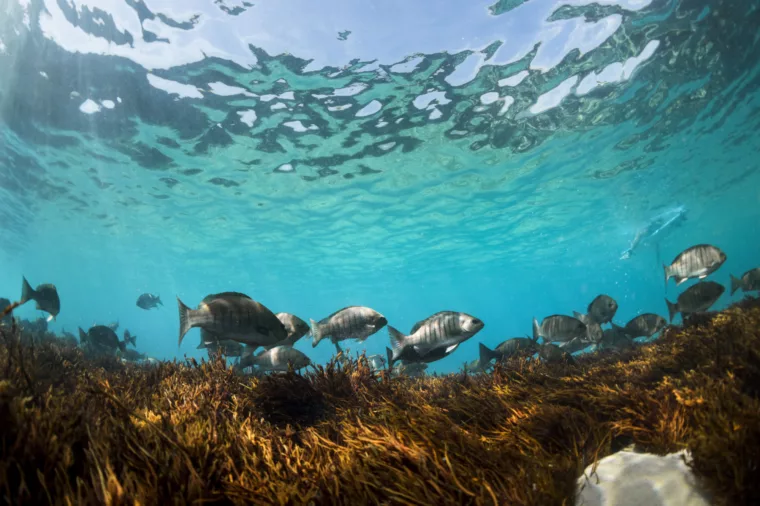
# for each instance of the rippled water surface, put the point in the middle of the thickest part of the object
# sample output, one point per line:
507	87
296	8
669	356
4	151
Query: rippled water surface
412	156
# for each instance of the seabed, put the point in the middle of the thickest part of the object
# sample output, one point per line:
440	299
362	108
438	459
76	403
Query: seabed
80	431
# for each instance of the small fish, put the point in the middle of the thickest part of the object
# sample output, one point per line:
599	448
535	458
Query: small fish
353	322
133	355
234	316
225	347
294	326
507	349
8	318
749	282
102	337
412	370
129	338
553	353
476	366
46	297
148	301
696	262
601	310
276	359
698	297
444	330
593	329
558	327
376	362
644	325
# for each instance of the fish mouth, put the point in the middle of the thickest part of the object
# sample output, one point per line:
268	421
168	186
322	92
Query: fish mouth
381	322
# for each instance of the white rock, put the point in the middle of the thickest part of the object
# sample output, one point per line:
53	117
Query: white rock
640	479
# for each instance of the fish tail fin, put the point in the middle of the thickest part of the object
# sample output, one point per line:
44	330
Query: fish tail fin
389	354
122	346
486	354
184	320
667	273
158	300
129	338
316	333
672	309
201	346
536	330
27	292
397	342
83	338
735	284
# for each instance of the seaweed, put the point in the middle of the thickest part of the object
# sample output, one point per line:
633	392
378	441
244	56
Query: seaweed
83	430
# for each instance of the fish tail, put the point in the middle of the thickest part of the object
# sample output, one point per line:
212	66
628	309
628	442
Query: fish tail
389	354
129	338
667	273
83	338
184	320
672	309
27	292
158	300
486	354
316	333
122	346
397	342
735	284
536	330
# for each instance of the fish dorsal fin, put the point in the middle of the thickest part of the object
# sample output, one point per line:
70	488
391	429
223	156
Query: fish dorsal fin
213	296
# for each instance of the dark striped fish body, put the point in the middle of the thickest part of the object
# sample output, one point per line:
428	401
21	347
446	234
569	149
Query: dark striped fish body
102	337
602	309
698	297
410	356
614	339
578	344
46	297
232	316
749	282
696	262
558	328
552	353
506	349
446	330
294	326
593	328
226	347
353	322
644	325
476	366
277	359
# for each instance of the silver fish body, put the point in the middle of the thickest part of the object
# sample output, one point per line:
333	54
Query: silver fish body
558	328
353	322
698	297
443	330
644	325
749	282
615	339
294	326
412	370
696	262
506	349
279	358
233	316
578	344
602	309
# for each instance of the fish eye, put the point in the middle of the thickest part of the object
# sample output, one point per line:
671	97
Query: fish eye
475	321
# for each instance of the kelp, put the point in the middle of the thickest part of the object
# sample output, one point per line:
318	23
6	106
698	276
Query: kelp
76	430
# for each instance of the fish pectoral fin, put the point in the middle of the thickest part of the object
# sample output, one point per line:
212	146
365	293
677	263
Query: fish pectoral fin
422	350
451	348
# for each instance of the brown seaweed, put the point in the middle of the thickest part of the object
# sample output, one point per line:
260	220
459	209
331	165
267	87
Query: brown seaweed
78	430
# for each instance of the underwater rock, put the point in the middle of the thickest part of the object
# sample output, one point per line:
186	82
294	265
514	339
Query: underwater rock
627	478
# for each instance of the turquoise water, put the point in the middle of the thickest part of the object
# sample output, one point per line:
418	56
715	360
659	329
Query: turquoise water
491	159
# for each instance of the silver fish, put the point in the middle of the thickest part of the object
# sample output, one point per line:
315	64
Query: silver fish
552	353
444	330
558	327
234	316
593	329
578	344
696	262
615	339
749	282
294	326
353	322
644	325
412	369
226	347
696	298
506	349
46	297
601	310
277	359
376	362
476	366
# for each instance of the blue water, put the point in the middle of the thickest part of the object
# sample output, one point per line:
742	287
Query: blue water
145	149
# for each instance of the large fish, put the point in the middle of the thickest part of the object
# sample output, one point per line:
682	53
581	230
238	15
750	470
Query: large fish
559	328
276	359
593	329
749	282
46	297
698	297
410	356
444	330
101	337
353	322
644	325
696	262
234	316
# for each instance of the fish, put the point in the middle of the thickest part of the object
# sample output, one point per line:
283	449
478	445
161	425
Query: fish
656	228
413	369
226	347
410	356
234	316
578	344
749	282
696	262
601	310
46	297
8	318
644	325
102	337
698	297
133	355
352	322
294	326
552	353
149	301
276	359
506	349
476	366
129	338
376	362
593	329
558	327
444	330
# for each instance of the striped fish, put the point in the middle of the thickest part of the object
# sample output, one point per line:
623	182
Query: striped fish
697	298
353	322
444	330
234	316
696	262
559	327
